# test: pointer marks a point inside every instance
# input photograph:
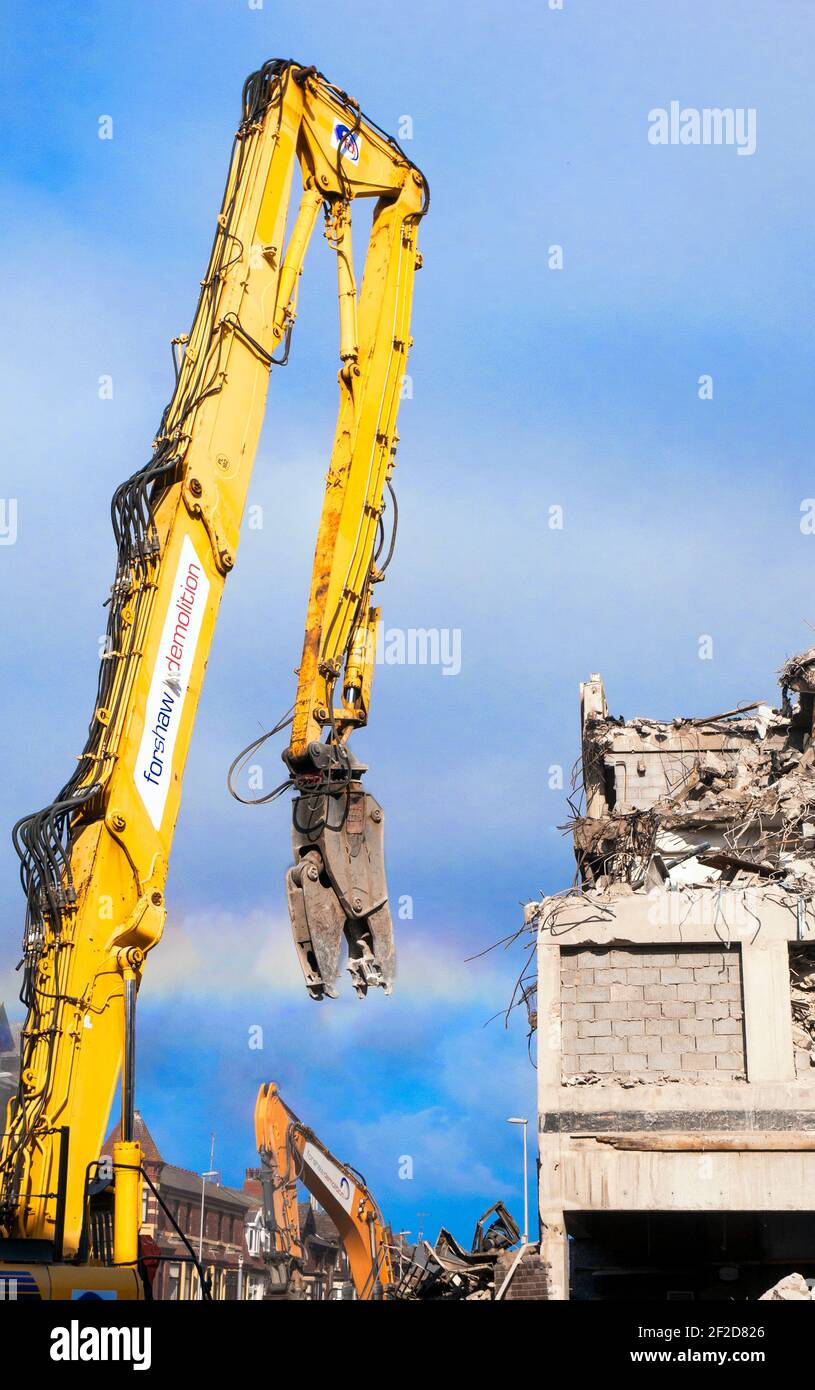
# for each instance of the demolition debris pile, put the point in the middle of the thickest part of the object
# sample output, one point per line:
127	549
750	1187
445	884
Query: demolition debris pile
490	1270
729	799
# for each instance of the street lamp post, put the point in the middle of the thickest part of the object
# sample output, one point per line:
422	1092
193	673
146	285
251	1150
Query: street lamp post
520	1120
210	1173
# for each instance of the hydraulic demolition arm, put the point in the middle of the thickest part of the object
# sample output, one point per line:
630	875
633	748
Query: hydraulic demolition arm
290	1151
94	862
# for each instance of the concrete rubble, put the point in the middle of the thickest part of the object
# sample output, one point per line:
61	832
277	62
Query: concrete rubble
726	799
791	1289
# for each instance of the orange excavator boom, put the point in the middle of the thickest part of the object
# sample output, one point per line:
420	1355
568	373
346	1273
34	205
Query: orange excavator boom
290	1151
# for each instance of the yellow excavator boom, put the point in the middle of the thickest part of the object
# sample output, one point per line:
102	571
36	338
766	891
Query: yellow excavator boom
94	862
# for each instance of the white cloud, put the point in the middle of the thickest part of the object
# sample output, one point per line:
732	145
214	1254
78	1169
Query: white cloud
445	1151
229	956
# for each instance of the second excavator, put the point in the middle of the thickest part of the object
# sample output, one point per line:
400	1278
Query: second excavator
381	1267
289	1151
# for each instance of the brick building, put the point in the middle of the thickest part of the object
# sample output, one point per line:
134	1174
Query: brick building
232	1251
675	1007
327	1274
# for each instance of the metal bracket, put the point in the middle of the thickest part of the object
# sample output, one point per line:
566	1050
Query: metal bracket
199	508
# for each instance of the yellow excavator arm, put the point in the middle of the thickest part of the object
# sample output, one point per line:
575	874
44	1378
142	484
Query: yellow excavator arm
290	1151
94	862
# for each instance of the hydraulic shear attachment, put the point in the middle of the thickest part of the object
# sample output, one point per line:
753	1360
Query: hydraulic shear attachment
337	888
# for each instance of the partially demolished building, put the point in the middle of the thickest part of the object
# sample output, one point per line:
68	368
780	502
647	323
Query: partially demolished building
676	1007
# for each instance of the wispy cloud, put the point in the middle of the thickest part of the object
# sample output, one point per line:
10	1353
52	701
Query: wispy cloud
245	956
436	1148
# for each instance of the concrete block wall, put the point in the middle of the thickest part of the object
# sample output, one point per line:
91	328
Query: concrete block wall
673	1013
642	777
646	767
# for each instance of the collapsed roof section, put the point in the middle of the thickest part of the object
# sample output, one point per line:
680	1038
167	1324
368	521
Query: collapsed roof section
726	800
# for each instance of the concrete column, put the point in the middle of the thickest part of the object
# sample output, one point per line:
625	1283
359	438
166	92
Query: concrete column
555	1254
554	1245
550	1043
765	981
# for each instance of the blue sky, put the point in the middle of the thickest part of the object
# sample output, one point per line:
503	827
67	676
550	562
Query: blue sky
533	388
